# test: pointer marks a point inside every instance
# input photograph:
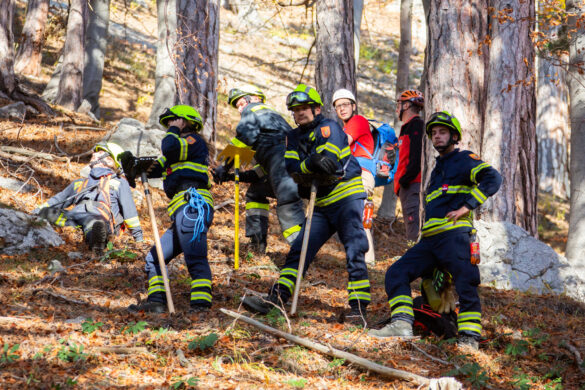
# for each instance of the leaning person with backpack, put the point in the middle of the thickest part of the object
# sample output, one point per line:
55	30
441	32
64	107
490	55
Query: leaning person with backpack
183	168
361	144
102	203
408	174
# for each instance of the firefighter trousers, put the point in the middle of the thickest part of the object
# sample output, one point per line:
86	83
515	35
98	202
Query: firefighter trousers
449	251
345	218
276	184
176	240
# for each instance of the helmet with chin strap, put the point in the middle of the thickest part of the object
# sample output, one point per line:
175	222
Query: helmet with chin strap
182	111
444	118
244	90
113	149
303	94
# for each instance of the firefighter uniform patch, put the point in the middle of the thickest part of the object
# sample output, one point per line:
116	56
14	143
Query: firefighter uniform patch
190	140
325	131
474	156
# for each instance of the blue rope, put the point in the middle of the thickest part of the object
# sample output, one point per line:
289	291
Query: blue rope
197	203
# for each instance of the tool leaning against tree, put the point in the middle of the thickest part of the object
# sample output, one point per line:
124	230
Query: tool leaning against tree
183	168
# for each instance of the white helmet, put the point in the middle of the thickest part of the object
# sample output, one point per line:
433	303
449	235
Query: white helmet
343	94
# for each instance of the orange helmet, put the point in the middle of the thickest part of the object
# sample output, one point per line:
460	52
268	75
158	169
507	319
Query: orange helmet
413	96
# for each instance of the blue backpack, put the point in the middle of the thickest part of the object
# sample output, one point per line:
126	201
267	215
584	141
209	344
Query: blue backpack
384	161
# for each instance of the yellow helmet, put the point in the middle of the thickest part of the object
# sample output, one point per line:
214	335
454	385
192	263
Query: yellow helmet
113	149
244	90
303	94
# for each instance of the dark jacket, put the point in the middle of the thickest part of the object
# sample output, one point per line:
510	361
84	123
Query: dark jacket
409	152
458	179
326	137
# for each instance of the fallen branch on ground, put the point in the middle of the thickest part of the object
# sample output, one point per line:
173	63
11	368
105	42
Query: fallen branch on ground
32	153
386	371
54	294
223	204
565	344
121	350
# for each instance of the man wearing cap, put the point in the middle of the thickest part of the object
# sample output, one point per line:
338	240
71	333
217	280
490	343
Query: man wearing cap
264	130
102	203
361	144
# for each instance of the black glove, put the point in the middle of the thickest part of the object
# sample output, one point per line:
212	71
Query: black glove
221	175
51	214
322	164
128	162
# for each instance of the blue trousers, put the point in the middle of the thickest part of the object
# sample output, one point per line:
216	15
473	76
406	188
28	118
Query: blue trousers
345	218
176	240
449	251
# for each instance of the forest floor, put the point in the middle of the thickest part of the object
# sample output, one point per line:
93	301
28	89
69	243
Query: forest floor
72	329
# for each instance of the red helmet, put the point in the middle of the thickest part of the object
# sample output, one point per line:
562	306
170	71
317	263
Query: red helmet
413	96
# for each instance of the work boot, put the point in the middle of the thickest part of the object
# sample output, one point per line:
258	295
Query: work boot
149	307
258	245
98	236
197	309
468	341
398	328
260	305
356	317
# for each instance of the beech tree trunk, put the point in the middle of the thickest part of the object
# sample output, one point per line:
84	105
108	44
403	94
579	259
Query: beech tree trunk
552	129
358	10
70	90
165	89
509	136
95	52
7	78
197	55
335	66
29	54
576	80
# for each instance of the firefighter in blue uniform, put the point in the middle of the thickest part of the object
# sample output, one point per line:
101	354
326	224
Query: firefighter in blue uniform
318	148
264	130
102	203
459	183
183	168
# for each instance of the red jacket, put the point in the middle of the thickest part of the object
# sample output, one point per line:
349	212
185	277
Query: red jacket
409	153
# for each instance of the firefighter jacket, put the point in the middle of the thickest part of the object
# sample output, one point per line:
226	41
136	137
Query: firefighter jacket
459	179
183	165
324	136
102	192
261	128
409	153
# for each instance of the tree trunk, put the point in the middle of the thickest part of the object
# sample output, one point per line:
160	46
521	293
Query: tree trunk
576	80
387	209
552	129
7	79
335	66
197	55
9	88
509	135
95	52
165	89
358	10
70	90
29	55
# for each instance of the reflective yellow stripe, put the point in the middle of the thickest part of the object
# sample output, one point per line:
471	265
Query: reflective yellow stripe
400	299
438	225
61	220
451	190
478	195
361	295
162	160
344	153
342	190
179	200
200	295
402	309
469	315
260	107
184	149
201	283
239	143
332	148
186	165
257	205
304	168
155	289
476	170
469	326
291	230
291	154
287	283
289	271
155	280
358	284
132	222
312	136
